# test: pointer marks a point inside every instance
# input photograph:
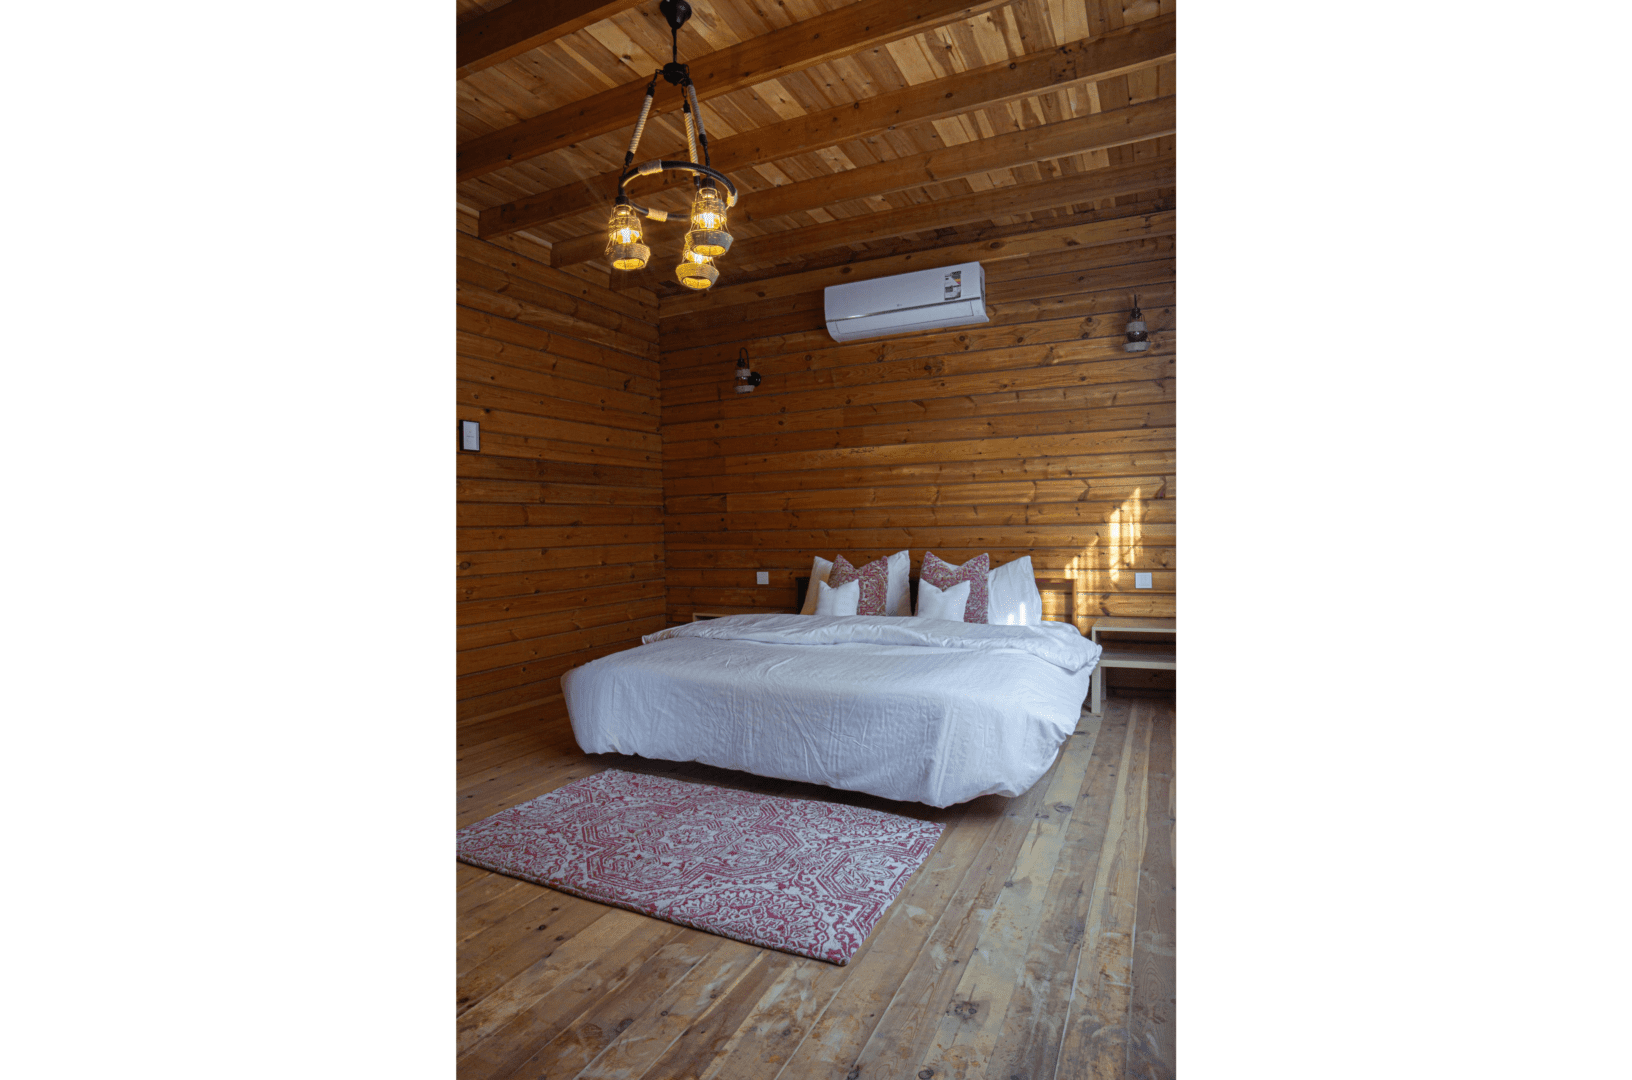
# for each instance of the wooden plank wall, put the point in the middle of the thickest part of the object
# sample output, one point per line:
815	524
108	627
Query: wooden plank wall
560	514
1034	434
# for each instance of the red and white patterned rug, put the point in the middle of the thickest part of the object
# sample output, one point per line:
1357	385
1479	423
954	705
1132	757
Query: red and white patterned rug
807	877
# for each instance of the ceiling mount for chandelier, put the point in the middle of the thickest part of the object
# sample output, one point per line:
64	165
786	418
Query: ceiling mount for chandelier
707	239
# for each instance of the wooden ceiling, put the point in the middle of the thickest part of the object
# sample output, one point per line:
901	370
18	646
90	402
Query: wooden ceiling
854	129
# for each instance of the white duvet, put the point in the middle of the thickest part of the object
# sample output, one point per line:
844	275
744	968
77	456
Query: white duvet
922	710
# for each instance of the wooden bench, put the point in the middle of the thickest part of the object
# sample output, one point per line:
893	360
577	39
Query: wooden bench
1149	659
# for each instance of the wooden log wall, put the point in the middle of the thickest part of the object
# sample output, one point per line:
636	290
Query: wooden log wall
560	548
1034	434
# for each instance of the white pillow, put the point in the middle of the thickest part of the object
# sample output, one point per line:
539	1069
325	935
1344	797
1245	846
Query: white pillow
818	572
897	592
898	595
1012	596
936	603
840	601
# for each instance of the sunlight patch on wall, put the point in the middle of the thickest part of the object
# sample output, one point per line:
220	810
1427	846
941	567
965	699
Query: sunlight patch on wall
1105	563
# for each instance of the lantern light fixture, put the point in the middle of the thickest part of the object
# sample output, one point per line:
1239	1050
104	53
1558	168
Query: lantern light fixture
623	246
747	379
695	271
707	238
1138	338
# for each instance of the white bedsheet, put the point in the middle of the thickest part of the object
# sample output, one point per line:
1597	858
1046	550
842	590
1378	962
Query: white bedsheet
921	710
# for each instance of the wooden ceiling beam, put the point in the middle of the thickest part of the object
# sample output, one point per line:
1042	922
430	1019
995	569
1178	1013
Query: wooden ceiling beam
1132	48
812	41
1060	191
522	25
1040	241
1099	131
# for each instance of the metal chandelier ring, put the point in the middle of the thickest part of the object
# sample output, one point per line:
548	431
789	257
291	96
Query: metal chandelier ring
652	168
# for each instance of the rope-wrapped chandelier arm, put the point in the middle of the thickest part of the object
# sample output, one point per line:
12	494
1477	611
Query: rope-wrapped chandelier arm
640	128
652	168
640	124
697	111
691	129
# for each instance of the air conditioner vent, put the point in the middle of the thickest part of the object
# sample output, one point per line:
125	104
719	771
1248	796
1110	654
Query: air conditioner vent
907	303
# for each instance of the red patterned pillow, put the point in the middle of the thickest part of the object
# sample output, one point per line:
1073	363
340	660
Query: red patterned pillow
943	575
875	582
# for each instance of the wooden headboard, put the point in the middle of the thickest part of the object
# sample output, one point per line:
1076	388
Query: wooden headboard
1045	586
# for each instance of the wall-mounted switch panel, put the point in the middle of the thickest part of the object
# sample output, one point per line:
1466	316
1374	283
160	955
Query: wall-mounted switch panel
470	435
1141	581
763	577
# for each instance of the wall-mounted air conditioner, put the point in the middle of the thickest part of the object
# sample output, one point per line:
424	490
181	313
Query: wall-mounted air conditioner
921	300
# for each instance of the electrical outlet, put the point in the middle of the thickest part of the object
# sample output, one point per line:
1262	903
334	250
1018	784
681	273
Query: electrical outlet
1141	581
762	578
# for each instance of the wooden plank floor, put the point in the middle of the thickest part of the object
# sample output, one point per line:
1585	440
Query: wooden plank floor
1037	941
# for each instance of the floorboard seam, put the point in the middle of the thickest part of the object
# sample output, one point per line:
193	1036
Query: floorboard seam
1065	1020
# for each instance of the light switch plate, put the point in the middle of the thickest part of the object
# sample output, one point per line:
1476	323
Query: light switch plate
763	577
1141	581
470	435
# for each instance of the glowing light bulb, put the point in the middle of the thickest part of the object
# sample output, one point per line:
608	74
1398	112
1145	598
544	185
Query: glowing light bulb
696	271
708	235
623	241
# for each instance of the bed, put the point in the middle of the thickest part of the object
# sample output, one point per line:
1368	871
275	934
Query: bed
907	708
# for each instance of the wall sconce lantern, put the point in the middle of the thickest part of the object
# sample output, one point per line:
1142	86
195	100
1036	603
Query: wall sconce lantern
1138	339
746	379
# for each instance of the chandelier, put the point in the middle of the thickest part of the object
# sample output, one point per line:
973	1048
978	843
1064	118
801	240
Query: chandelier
707	239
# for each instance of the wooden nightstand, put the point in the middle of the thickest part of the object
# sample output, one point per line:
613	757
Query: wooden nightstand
1130	656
